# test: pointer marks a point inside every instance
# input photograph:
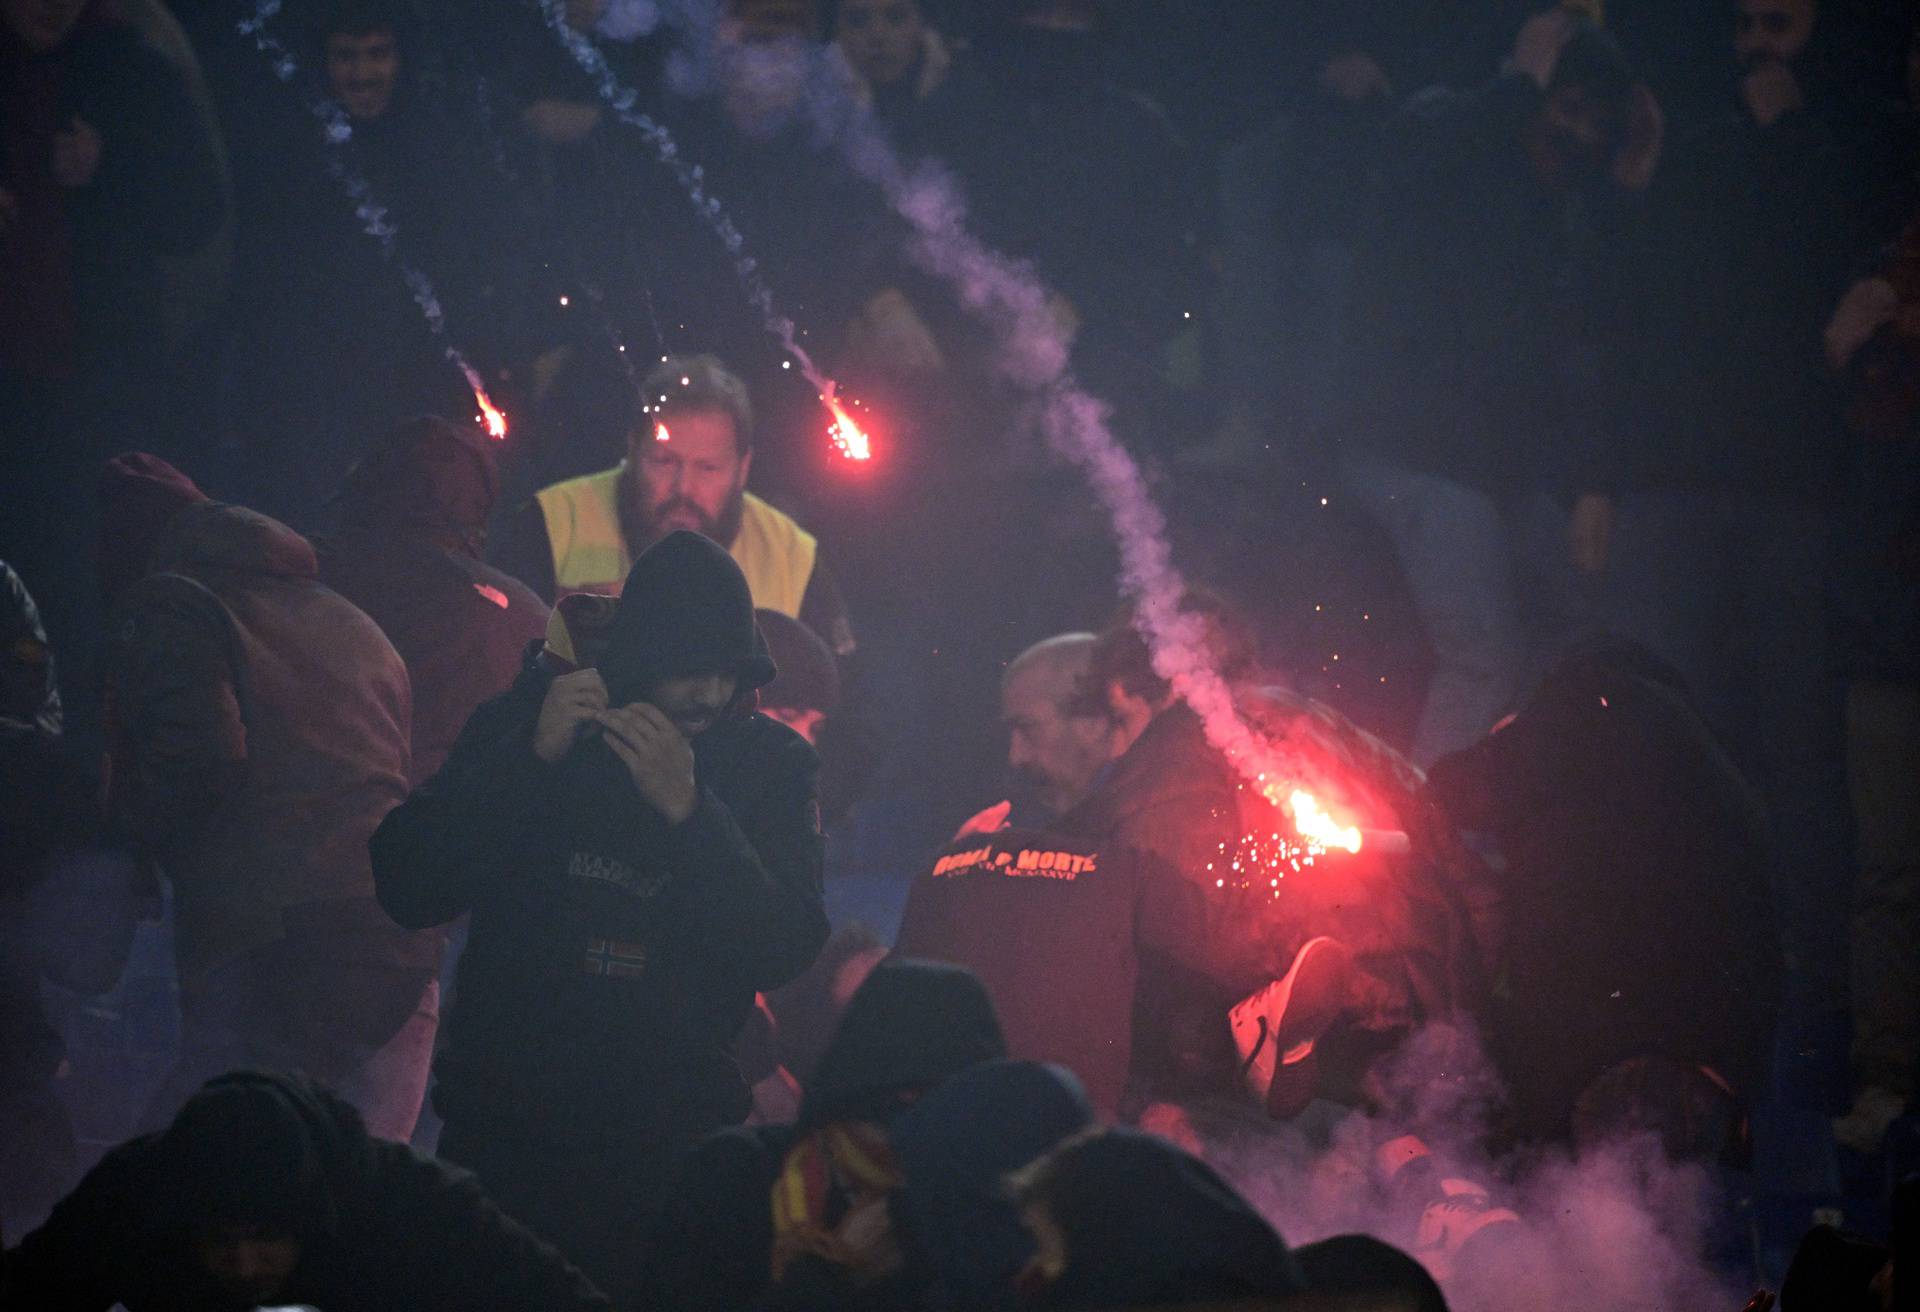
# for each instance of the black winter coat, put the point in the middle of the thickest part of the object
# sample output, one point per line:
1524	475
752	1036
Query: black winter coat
391	1230
612	958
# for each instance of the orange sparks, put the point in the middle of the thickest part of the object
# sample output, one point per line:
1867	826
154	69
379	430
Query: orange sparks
849	439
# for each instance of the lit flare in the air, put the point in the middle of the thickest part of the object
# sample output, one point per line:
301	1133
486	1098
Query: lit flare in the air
490	414
849	439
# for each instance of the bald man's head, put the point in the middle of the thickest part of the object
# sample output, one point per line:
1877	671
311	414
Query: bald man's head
1056	738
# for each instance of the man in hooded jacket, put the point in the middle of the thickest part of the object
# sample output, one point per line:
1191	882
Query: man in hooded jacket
414	515
257	733
266	1189
641	853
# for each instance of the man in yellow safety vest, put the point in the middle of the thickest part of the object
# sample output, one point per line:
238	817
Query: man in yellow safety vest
686	468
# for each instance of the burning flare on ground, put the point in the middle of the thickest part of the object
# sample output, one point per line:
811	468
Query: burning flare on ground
490	414
849	439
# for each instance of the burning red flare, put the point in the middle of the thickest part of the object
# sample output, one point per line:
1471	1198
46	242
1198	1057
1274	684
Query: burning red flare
1319	828
849	439
490	414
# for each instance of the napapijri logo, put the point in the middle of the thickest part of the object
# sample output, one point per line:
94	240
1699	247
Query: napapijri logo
591	865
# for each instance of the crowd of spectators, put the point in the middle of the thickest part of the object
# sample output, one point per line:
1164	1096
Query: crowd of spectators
1542	384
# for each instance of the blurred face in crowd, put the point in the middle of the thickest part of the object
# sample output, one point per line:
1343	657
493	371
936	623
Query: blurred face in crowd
687	471
1773	30
246	1262
41	24
694	702
764	59
1058	751
363	70
882	38
1574	135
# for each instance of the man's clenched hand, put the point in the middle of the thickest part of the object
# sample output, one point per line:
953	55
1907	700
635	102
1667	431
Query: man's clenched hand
658	758
573	701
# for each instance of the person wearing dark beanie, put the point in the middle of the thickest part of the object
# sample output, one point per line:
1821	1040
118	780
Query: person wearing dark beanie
267	1189
640	851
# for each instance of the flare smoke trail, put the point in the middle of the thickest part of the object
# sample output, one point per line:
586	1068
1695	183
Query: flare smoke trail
1034	352
1617	1229
637	20
372	215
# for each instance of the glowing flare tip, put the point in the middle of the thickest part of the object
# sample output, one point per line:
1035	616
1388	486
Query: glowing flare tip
1316	826
849	439
490	414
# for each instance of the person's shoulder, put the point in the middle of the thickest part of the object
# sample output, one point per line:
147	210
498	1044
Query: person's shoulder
767	738
774	516
562	486
502	592
165	598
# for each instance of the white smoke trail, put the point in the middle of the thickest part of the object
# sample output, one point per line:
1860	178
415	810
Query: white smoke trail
1034	354
1618	1229
338	130
639	18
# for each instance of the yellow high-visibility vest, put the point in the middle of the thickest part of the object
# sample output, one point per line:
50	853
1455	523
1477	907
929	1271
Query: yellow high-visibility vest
590	553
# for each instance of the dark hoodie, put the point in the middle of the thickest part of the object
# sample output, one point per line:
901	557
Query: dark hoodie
257	733
613	956
1147	1224
909	1027
378	1227
956	1148
1636	873
407	554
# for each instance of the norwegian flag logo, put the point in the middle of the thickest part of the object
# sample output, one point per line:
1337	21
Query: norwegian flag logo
614	959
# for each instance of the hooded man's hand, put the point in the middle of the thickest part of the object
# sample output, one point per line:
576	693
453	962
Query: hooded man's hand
573	700
657	756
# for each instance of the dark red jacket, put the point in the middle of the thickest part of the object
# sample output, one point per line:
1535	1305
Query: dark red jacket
461	626
257	736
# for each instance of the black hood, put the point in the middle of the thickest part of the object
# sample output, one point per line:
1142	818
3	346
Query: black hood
956	1147
1147	1223
910	1026
266	1149
685	609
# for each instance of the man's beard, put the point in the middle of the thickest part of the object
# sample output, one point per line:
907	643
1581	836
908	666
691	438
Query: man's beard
641	524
